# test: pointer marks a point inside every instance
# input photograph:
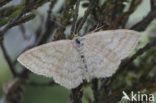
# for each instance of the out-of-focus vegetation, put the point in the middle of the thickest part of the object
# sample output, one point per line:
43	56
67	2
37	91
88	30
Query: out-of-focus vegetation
22	25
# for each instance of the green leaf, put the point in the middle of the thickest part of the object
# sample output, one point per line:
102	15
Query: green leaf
6	14
25	19
3	21
10	11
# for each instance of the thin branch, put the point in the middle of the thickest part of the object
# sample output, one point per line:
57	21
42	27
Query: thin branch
73	28
14	91
44	38
153	4
95	89
3	2
123	18
105	90
32	83
39	31
64	19
76	94
23	31
116	95
50	25
87	12
139	52
124	64
13	21
144	76
142	25
7	58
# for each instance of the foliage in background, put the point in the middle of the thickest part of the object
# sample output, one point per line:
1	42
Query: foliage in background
99	15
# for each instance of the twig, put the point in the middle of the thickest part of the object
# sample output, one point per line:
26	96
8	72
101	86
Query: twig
14	91
3	2
73	28
123	18
43	39
142	25
139	52
39	31
24	73
153	4
7	58
146	72
32	83
105	89
124	64
23	31
116	95
64	20
76	95
95	90
50	24
87	12
13	21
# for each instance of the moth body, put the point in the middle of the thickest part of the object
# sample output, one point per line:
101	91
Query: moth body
78	42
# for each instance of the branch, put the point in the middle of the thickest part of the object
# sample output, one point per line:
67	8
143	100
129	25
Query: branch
13	91
32	83
3	2
142	25
24	73
124	64
76	94
87	12
139	52
73	28
64	19
123	18
95	90
153	4
13	21
50	25
7	58
44	38
116	95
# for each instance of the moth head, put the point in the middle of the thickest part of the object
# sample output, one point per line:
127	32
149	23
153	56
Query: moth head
78	40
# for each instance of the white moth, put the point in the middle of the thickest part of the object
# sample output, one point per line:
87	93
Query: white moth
70	62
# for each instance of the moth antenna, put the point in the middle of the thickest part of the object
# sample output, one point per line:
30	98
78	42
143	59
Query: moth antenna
97	28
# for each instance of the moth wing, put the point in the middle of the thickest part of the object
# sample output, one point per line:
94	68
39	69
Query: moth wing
105	50
59	60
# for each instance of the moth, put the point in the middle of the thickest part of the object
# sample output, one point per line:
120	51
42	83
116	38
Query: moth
69	62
